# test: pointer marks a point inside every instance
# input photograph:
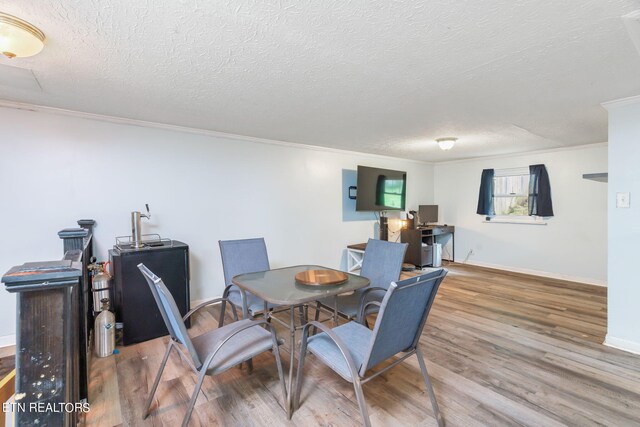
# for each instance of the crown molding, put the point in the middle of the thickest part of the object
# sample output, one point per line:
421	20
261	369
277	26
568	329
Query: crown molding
621	102
526	153
223	135
194	131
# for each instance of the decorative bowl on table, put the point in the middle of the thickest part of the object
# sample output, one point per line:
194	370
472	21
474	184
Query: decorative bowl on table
321	277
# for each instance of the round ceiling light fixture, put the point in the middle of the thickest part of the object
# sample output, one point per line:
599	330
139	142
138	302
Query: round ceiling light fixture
18	38
446	143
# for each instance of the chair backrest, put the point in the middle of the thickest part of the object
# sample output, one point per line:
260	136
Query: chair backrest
243	256
382	262
170	312
402	317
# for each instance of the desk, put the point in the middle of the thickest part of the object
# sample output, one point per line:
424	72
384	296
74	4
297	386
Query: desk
416	254
279	287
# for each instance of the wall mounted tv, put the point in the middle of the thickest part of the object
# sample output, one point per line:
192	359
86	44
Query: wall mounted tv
380	189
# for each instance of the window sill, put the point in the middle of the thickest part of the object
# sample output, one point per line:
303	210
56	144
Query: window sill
516	221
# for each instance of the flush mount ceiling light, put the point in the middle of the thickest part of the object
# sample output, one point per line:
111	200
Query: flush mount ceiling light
18	38
446	143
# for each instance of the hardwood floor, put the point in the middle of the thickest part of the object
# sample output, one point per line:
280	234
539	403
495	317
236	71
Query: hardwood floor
501	349
7	364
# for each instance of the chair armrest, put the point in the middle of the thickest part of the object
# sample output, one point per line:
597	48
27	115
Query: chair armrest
206	303
336	340
227	289
363	311
366	292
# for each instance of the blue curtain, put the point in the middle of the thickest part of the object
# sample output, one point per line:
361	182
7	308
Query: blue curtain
539	191
485	198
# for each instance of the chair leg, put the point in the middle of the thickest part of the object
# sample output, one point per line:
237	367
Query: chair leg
194	396
427	382
301	315
223	306
157	381
234	312
316	318
361	403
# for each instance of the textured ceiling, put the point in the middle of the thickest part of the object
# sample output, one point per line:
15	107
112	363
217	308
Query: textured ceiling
385	77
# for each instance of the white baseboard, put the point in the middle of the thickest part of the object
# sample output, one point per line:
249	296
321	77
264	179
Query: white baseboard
586	280
622	344
7	340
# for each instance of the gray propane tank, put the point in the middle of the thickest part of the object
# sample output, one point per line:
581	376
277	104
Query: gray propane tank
105	331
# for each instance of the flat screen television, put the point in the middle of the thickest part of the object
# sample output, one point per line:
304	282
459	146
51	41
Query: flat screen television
380	189
427	214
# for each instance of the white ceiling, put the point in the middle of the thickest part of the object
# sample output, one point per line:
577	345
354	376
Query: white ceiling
385	77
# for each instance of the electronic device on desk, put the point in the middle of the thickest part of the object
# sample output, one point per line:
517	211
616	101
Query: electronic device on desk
427	214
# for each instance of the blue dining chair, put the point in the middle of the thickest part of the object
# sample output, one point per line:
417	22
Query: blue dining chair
240	257
212	352
352	349
382	264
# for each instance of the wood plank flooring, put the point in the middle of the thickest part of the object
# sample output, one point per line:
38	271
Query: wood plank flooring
501	349
7	364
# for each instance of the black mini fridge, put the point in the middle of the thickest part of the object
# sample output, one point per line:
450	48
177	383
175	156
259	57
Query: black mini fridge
134	304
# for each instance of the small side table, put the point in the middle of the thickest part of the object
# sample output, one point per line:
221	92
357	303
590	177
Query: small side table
355	255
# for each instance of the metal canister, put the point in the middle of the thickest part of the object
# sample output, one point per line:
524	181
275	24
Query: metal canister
105	331
100	285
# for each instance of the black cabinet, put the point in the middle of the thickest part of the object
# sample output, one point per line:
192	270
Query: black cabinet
134	303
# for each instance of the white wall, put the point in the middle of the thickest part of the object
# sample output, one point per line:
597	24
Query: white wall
55	169
624	226
571	246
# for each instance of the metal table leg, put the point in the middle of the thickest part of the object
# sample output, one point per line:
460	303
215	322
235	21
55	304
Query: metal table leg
245	309
292	349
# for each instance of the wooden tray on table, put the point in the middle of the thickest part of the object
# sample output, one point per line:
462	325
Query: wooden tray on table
321	277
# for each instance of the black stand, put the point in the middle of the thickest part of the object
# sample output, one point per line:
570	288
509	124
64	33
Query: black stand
384	228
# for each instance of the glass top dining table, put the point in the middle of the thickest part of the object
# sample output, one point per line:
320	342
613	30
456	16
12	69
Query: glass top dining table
279	287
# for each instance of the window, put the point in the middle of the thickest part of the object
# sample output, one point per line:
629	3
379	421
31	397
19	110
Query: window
504	195
511	192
